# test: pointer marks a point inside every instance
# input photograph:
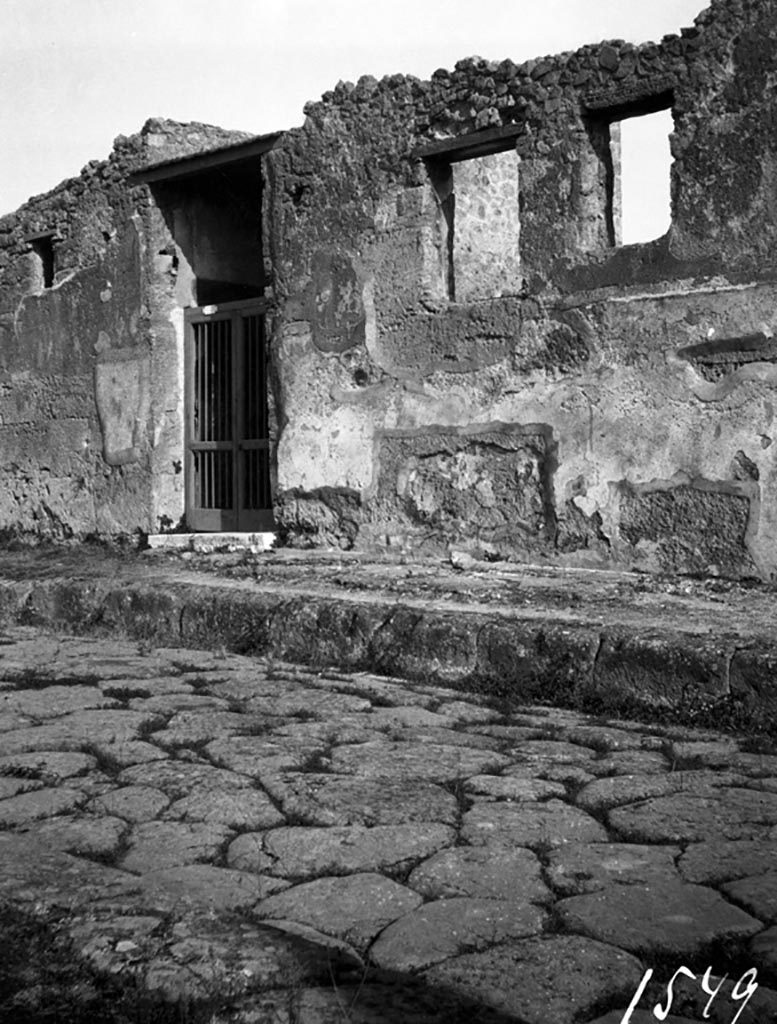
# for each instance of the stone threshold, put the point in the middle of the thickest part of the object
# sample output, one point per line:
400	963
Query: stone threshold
208	543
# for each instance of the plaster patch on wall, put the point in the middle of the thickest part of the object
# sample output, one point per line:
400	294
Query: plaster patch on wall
488	488
121	395
698	527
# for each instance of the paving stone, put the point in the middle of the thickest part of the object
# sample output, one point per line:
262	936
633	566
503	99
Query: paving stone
763	949
446	737
132	803
632	762
154	686
246	853
171	703
446	928
468	713
48	764
603	794
711	753
509	733
187	728
54	701
258	756
754	765
430	762
156	845
513	787
322	799
304	852
345	729
588	867
37	876
9	721
569	774
76	730
355	908
386	691
550	753
40	803
481	873
125	754
661	919
10	786
720	860
686	817
401	716
203	885
603	738
531	825
307	701
235	808
88	836
179	778
756	893
539	980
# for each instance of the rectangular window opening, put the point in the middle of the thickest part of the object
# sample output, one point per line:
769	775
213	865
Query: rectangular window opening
631	143
479	224
43	261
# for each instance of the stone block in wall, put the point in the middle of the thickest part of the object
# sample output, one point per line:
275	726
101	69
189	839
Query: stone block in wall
700	530
487	488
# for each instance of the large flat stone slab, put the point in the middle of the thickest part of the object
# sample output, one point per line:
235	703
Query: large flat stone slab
132	803
234	808
156	845
40	803
580	868
51	765
445	928
604	794
664	919
322	799
756	893
722	860
54	701
301	852
77	730
687	817
355	908
87	836
203	885
258	756
429	762
481	873
532	825
179	779
539	980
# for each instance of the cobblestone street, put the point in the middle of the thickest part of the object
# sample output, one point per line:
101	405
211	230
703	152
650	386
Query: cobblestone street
287	845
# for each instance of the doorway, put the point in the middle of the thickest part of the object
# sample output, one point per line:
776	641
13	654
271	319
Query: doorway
227	428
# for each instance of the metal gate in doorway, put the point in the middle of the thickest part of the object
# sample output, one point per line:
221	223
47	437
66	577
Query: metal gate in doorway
227	435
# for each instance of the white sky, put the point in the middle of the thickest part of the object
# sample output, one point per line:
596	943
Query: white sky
74	74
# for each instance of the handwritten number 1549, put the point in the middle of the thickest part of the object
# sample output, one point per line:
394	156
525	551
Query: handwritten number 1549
662	1012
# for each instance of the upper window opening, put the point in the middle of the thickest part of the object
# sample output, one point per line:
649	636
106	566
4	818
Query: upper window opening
630	144
43	261
645	176
479	222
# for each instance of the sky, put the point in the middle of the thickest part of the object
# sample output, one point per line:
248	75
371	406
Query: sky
74	74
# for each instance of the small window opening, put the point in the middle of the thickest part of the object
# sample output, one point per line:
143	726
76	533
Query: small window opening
43	255
645	177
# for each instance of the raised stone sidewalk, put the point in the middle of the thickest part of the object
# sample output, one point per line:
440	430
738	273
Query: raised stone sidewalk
264	842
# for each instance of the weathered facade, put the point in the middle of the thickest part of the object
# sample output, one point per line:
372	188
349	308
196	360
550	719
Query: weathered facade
459	352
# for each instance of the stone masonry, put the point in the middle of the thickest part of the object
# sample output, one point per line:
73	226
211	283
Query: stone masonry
460	353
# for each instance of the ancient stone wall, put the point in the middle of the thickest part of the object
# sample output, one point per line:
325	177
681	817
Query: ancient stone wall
91	435
466	356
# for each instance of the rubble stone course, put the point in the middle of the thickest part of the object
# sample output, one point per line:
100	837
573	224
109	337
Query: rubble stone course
385	869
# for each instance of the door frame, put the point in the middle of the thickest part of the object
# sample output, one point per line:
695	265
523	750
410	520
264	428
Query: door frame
215	520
